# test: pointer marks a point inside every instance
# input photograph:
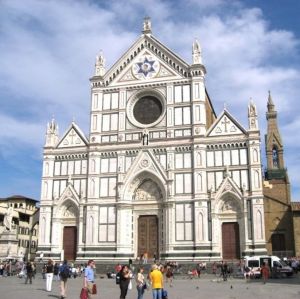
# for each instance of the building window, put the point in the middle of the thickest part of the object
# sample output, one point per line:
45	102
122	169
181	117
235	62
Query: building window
107	224
110	122
182	94
184	222
182	116
110	101
108	187
183	183
108	165
275	157
183	160
227	157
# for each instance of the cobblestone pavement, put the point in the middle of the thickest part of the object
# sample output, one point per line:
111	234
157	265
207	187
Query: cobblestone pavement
205	287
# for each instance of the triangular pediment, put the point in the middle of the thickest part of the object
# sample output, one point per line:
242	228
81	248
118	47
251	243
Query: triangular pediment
147	60
225	124
72	138
69	194
228	186
146	162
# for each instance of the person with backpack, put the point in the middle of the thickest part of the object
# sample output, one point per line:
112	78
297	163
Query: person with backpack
64	274
56	271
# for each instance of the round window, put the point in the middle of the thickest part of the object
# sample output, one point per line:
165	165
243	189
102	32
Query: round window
147	110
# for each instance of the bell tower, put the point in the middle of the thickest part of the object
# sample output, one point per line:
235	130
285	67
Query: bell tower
277	193
274	145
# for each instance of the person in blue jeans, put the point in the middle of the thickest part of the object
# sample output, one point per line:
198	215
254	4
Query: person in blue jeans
157	282
140	283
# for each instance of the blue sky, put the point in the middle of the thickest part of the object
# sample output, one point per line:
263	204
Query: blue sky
48	50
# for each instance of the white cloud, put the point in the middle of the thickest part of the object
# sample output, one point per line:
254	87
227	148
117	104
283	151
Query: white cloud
48	48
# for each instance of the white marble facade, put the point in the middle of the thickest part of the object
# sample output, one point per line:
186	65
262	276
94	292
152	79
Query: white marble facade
151	151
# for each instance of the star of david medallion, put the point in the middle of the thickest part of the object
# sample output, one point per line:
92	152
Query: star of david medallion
145	68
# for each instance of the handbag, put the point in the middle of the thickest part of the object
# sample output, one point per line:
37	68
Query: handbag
130	285
84	293
94	289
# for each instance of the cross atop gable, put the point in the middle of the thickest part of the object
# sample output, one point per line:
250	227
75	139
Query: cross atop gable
73	137
225	124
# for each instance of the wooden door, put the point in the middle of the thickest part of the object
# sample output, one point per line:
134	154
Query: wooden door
148	236
70	242
230	240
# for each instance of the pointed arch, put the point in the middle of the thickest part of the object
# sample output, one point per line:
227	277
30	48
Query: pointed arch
199	182
43	230
199	159
90	230
147	190
255	155
201	227
256	179
47	168
46	189
133	185
92	187
93	165
259	225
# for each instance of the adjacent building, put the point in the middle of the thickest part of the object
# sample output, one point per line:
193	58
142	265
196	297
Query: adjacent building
277	193
25	224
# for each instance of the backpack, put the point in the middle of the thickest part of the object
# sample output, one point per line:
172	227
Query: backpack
65	273
118	278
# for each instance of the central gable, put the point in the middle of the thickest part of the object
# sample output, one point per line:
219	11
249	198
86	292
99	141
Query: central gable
146	61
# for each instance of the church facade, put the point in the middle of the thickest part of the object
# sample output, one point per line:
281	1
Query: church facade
159	173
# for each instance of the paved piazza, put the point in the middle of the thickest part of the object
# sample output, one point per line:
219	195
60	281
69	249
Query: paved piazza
206	287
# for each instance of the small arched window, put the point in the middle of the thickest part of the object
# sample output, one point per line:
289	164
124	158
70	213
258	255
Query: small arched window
275	157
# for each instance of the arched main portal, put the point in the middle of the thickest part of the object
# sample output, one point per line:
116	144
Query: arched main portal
70	233
147	198
231	225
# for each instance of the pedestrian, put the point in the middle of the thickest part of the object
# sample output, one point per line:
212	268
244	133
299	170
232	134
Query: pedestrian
44	270
89	277
156	279
29	272
64	274
118	268
214	268
169	275
265	272
140	283
49	275
125	276
224	270
145	258
1	269
56	271
198	269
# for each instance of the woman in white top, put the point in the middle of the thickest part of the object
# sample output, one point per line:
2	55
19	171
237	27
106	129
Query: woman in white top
140	283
